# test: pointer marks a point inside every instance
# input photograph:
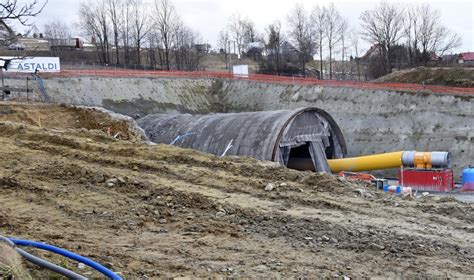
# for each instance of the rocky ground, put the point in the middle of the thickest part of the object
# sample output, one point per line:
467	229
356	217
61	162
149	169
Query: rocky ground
150	211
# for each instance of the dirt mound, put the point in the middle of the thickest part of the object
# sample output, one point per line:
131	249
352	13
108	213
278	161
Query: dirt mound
72	117
458	77
160	211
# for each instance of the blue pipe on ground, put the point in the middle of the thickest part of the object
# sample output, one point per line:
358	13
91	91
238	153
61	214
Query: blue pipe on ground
67	254
43	263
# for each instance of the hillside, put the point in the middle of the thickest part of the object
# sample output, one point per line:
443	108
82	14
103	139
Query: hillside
458	77
151	211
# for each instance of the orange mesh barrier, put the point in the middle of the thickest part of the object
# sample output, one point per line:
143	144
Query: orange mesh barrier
261	78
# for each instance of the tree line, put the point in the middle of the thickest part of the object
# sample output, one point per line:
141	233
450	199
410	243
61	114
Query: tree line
405	35
122	29
409	33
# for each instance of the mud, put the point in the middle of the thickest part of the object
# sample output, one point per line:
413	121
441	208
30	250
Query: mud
160	211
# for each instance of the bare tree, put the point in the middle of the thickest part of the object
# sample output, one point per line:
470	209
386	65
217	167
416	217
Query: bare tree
139	26
354	38
250	32
274	45
125	27
166	21
237	28
383	26
113	7
426	36
12	11
318	17
187	57
344	25
333	26
94	23
20	11
223	45
301	34
411	28
57	29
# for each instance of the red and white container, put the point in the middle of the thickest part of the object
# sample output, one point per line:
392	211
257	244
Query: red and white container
432	180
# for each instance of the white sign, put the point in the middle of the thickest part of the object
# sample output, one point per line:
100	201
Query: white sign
31	64
241	71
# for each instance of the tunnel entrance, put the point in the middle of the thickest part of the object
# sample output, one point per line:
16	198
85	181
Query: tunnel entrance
307	156
301	139
300	158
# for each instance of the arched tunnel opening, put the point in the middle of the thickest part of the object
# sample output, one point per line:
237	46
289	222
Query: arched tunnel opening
301	139
300	158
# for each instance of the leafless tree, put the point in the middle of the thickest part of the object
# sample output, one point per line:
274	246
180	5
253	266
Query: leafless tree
57	29
17	11
301	34
94	23
223	45
425	34
166	21
344	25
237	29
411	28
153	39
354	40
334	23
113	8
20	11
383	26
274	46
125	27
139	26
318	18
187	57
250	32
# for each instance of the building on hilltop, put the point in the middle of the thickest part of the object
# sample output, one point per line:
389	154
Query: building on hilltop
466	59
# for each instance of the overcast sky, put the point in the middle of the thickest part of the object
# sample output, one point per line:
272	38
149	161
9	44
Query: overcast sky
210	16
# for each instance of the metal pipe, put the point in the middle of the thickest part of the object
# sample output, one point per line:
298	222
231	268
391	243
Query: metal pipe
392	160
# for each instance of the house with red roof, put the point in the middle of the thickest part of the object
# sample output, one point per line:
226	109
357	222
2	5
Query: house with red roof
466	59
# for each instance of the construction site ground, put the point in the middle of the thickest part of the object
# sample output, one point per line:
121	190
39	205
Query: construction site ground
75	178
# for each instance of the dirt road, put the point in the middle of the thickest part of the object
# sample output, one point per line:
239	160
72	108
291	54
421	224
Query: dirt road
159	211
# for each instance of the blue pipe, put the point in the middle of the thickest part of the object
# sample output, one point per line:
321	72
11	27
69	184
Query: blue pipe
67	254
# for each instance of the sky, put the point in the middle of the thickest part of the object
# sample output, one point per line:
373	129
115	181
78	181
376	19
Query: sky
210	16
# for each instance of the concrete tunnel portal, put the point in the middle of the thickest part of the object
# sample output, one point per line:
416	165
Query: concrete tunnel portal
301	139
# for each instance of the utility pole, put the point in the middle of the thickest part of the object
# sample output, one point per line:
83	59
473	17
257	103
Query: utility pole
3	86
229	54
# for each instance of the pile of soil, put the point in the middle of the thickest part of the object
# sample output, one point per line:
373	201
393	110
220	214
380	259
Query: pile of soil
72	117
453	76
159	211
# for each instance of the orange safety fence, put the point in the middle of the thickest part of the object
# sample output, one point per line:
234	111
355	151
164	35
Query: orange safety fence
124	73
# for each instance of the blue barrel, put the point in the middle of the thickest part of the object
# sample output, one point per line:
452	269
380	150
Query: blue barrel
468	179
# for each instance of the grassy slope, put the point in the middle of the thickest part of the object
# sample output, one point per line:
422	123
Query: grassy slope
461	77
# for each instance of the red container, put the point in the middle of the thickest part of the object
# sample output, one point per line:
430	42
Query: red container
433	180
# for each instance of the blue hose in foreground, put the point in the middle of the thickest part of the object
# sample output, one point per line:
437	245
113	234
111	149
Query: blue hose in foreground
67	254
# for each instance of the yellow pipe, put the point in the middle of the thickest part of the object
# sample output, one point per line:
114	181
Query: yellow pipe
366	163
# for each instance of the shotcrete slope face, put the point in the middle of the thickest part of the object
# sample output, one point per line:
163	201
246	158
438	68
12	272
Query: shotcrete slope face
293	138
373	121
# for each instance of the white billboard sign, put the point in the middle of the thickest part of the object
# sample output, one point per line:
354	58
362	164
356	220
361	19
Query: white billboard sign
241	71
31	64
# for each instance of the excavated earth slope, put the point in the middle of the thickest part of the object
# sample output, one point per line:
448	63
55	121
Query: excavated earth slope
159	211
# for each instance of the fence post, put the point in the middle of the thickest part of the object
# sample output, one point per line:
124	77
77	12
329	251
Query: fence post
27	89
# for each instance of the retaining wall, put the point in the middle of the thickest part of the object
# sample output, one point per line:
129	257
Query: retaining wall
372	121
